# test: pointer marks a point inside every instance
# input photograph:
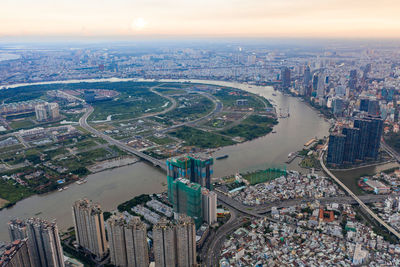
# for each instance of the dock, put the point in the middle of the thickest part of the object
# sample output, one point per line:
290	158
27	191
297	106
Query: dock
310	142
292	157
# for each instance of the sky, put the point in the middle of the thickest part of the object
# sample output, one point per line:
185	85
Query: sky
208	18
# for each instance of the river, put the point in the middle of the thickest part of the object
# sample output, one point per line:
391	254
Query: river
112	187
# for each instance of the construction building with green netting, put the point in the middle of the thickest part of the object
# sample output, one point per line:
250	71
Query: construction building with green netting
186	198
197	170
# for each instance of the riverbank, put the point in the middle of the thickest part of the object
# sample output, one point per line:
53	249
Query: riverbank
113	187
113	164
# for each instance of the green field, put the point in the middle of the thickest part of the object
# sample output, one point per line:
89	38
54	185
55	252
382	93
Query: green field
229	99
170	91
93	155
199	138
134	100
198	107
161	141
252	127
13	193
263	176
21	124
310	162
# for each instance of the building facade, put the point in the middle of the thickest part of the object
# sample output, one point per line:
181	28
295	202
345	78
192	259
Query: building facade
16	255
128	242
89	227
285	77
47	111
335	149
136	243
186	199
175	244
17	230
356	144
209	203
44	244
186	242
197	169
164	244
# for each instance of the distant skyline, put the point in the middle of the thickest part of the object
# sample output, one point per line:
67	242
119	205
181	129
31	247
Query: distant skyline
208	18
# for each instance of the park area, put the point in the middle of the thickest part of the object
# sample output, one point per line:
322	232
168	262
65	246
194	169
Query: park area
262	176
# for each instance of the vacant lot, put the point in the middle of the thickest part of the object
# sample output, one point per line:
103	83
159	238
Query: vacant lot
199	138
3	202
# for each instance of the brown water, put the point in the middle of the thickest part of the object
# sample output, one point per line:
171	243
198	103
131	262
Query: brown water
112	187
350	178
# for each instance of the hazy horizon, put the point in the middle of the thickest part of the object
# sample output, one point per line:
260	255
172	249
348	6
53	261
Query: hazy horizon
200	19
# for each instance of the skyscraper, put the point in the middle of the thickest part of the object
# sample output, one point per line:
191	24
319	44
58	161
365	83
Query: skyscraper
186	242
137	251
164	243
47	111
315	82
17	230
351	144
53	110
175	244
335	149
338	106
285	77
186	198
44	243
128	242
353	79
364	102
362	142
374	137
373	107
307	77
209	203
321	86
116	239
196	169
89	227
41	113
16	255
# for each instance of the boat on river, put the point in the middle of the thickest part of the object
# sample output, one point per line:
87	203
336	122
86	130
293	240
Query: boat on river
222	157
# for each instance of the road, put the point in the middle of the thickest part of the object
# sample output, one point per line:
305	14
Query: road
212	249
84	124
218	106
390	151
357	199
259	210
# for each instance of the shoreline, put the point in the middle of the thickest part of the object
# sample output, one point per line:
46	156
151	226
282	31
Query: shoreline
65	184
9	205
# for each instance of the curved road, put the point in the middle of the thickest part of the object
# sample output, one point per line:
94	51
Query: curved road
84	124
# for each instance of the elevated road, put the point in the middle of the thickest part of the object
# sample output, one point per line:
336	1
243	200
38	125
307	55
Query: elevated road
357	199
259	210
210	251
393	153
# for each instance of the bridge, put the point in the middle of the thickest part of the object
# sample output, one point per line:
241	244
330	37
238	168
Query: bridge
83	123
